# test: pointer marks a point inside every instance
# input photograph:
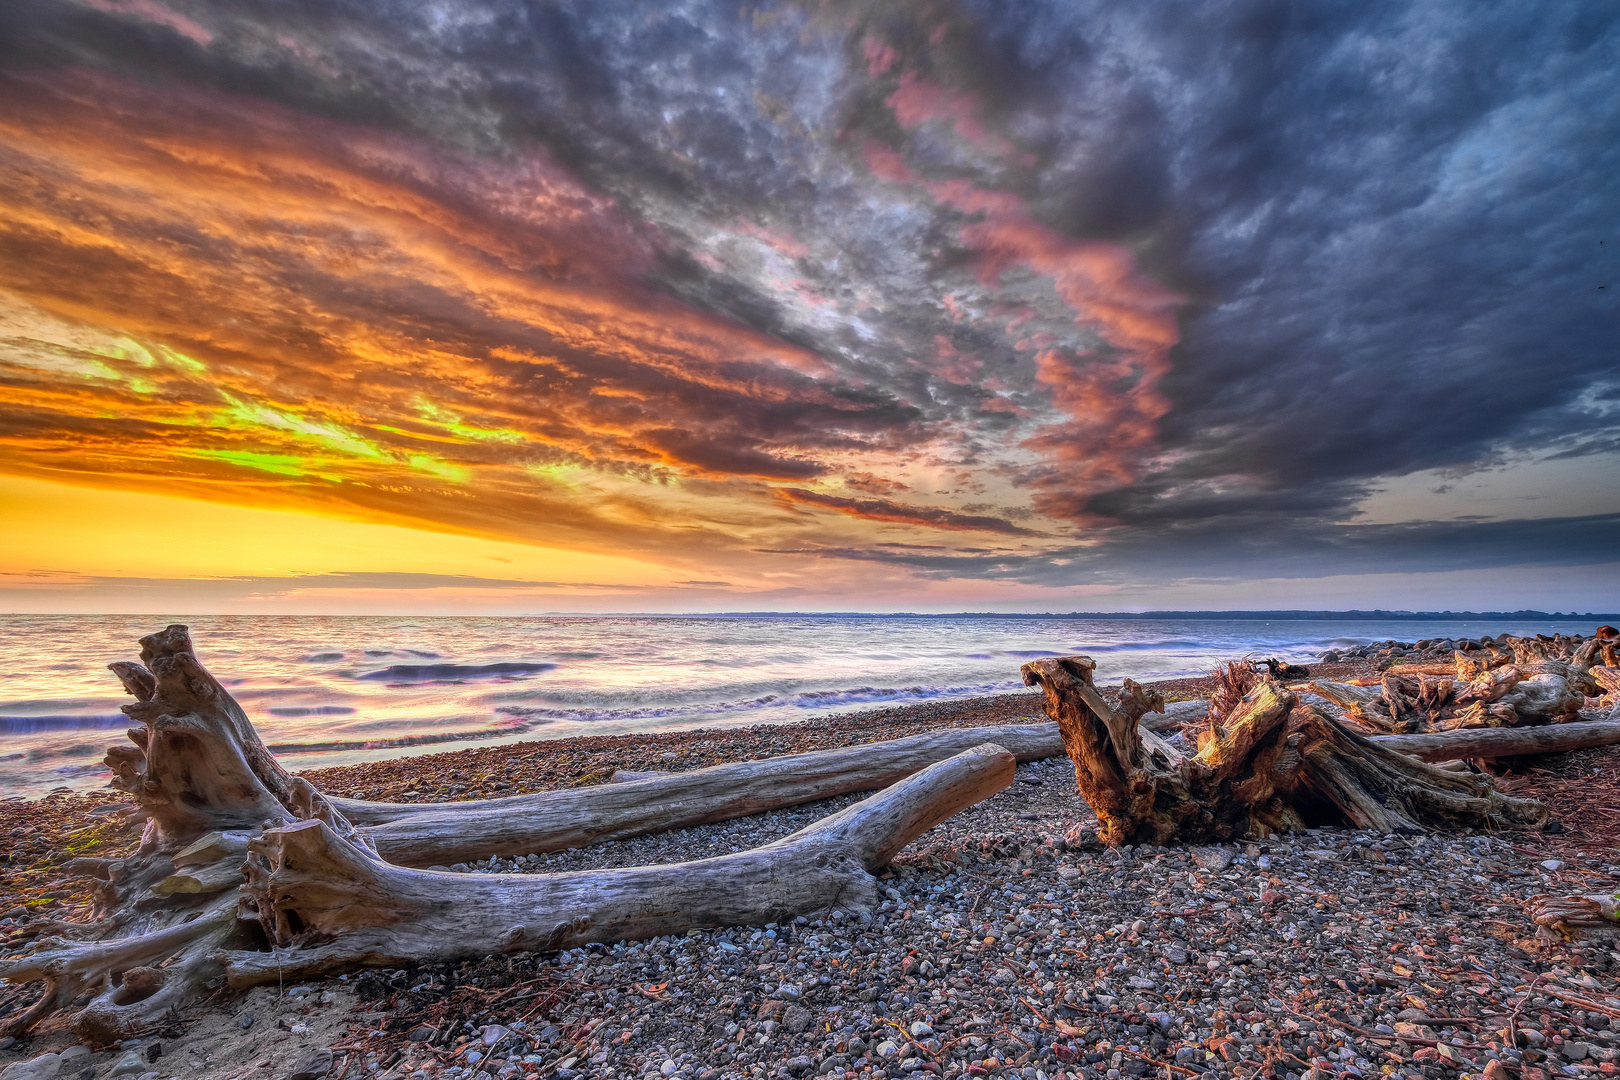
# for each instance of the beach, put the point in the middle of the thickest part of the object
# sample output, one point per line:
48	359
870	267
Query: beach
1000	946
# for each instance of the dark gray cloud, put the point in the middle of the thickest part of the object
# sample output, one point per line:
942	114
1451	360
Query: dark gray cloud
1392	227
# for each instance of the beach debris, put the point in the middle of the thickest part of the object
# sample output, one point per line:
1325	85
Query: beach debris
319	898
1263	758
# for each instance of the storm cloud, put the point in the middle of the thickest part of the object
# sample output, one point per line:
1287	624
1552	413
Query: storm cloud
1127	290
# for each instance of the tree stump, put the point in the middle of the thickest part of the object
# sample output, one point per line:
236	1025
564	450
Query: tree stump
1270	765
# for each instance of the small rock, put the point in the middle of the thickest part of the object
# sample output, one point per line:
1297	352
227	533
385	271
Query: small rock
299	992
495	1033
128	1065
1322	854
796	1018
668	1067
244	1021
421	1034
787	992
7	1043
1575	1051
920	1029
1213	858
41	1068
313	1067
886	1049
1552	865
73	1052
1413	1016
1495	1070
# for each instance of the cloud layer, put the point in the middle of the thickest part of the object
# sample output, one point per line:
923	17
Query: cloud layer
1062	293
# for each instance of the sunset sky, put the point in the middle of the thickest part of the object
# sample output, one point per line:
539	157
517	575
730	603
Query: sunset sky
507	306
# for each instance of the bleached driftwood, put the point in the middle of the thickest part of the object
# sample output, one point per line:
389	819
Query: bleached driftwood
317	896
445	833
329	905
1256	771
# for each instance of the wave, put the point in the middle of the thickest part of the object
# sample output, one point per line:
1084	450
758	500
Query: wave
406	740
434	672
25	725
805	699
311	710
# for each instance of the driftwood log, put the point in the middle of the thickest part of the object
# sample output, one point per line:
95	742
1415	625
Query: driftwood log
1522	681
1270	765
247	872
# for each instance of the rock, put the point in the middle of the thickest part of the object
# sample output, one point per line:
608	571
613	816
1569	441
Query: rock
131	1064
787	992
298	993
1576	1051
1214	859
245	1021
1552	865
313	1067
41	1068
796	1018
1495	1070
920	1029
668	1067
494	1034
1175	954
1413	1016
421	1034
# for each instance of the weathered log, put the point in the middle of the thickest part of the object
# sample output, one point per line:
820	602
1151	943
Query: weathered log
1266	767
1577	916
1503	742
445	833
330	905
217	807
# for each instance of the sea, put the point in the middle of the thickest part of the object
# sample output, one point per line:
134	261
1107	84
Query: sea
339	690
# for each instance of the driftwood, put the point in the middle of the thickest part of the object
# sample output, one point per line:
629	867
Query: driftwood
1477	691
425	834
317	897
1270	765
329	905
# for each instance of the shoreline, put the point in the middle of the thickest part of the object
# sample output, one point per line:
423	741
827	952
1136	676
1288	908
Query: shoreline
577	760
999	948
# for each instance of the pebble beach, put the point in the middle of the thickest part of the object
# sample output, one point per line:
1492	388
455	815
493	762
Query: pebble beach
1008	943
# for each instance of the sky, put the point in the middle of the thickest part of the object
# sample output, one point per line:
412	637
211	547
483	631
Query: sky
523	306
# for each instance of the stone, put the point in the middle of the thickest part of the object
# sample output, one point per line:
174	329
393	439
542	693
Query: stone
1214	859
668	1067
131	1064
1576	1051
313	1067
1413	1016
921	1029
245	1021
796	1018
73	1053
421	1034
1495	1070
494	1033
1552	865
886	1049
42	1067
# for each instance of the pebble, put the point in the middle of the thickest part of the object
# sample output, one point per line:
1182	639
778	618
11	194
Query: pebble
43	1067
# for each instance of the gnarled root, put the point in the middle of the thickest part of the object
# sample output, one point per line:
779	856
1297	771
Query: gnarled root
1577	916
129	987
329	905
1265	767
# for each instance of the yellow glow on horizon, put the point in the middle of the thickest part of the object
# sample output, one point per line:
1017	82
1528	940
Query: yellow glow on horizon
53	528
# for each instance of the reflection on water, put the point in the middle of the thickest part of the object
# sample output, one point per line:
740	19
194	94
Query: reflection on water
329	690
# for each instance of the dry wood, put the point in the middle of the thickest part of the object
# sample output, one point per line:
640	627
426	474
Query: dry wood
319	897
444	833
1264	767
1503	742
330	905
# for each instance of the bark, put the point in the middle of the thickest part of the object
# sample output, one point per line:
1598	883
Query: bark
329	905
1268	766
1577	916
445	833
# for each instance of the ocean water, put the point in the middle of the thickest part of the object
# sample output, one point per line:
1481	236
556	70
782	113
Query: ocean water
332	691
